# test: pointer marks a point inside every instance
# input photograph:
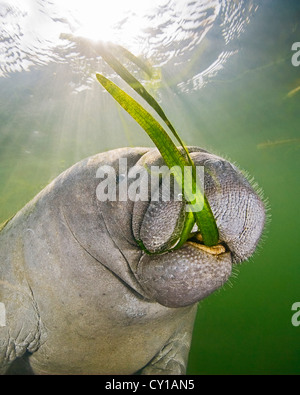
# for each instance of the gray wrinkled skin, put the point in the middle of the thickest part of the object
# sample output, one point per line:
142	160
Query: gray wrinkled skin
82	298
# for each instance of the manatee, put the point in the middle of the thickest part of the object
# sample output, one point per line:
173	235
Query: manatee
80	295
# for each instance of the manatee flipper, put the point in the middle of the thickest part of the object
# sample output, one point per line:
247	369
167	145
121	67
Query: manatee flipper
21	327
172	358
22	330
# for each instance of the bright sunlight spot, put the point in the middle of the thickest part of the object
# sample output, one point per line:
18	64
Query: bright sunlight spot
103	20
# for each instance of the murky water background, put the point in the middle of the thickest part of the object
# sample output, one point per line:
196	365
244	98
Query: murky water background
224	76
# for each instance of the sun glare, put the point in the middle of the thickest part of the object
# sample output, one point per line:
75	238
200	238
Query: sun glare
107	20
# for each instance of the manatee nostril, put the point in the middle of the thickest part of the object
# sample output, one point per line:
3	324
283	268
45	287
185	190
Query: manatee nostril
214	162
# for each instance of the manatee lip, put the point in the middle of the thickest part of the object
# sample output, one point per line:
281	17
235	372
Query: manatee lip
182	277
196	241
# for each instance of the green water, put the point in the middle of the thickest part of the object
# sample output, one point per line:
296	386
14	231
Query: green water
242	113
247	329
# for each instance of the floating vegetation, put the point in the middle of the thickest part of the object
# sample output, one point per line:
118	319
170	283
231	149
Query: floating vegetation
172	156
269	144
292	92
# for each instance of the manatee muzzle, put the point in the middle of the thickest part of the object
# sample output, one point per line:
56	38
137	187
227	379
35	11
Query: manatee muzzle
183	276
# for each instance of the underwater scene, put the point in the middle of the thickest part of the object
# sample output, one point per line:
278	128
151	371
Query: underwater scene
227	75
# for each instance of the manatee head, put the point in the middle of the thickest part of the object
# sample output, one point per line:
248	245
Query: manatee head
135	238
180	277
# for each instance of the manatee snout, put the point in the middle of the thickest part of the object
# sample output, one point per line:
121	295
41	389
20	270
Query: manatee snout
183	276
